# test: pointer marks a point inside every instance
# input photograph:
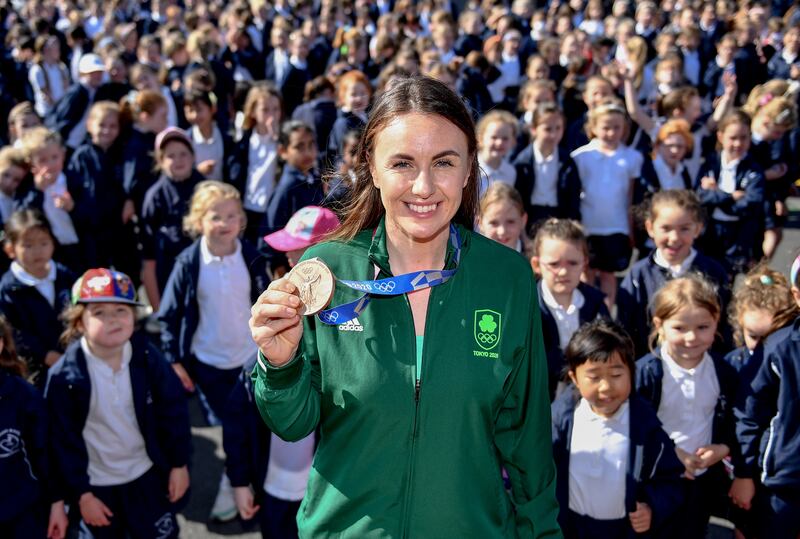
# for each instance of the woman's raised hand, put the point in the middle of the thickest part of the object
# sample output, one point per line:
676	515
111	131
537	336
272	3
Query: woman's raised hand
274	323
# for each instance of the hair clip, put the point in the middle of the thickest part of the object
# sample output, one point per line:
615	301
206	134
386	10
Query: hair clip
766	98
766	280
795	271
783	117
611	107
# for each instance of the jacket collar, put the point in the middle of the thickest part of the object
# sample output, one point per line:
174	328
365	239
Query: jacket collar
379	254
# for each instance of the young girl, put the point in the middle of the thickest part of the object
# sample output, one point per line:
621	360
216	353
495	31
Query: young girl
559	257
101	208
165	204
666	169
147	112
496	133
774	118
607	169
353	96
213	150
21	119
616	470
547	177
503	217
732	191
674	221
34	291
145	77
693	393
24	466
258	155
119	415
300	185
533	94
49	77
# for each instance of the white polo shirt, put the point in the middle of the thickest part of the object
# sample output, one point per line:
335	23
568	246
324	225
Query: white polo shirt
598	462
209	148
727	184
567	320
114	443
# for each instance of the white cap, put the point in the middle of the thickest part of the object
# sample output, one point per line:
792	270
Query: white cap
90	63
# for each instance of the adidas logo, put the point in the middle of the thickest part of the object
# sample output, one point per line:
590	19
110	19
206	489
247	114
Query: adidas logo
352	325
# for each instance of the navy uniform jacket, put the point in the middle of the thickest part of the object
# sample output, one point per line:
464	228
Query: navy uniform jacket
295	190
158	400
36	323
164	206
321	114
644	279
99	197
138	168
594	307
293	87
23	446
68	110
649	184
179	312
347	121
654	472
767	153
568	184
650	373
768	428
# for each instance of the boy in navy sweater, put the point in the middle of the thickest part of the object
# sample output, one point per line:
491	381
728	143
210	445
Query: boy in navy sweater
617	472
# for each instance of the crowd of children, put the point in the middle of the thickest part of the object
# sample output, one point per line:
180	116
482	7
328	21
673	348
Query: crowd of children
638	154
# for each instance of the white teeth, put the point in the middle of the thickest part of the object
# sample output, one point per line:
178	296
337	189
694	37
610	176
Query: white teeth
422	209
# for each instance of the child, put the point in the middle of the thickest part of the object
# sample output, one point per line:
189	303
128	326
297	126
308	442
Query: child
693	392
559	257
597	90
100	206
616	469
774	118
213	150
68	116
533	94
300	185
667	170
143	77
119	415
206	303
731	188
547	176
21	119
673	223
13	169
34	291
49	192
353	95
496	133
781	63
258	155
48	75
268	474
770	412
503	217
24	466
165	204
608	169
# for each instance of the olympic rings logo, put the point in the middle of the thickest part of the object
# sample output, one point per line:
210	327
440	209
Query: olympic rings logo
329	317
386	287
487	338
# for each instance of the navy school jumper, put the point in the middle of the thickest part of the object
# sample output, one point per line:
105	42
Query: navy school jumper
568	183
594	306
23	447
653	475
768	428
179	312
649	377
158	400
37	327
645	278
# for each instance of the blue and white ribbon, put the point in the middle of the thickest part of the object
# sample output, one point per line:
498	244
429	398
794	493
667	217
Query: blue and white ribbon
390	286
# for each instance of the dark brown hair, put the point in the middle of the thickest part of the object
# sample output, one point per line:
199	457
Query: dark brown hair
22	221
9	361
678	198
422	95
562	230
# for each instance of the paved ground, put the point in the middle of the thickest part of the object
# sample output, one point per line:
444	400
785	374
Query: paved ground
208	455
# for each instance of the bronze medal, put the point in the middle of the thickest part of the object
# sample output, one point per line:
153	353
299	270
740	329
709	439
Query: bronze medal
315	284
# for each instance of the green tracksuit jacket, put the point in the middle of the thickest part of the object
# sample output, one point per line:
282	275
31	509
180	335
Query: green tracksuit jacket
394	461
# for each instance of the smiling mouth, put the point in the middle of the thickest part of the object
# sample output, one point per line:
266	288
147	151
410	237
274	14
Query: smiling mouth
422	208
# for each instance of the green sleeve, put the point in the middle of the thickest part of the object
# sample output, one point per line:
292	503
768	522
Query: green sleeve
523	435
288	397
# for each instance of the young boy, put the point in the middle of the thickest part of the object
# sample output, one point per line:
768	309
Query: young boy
49	192
617	472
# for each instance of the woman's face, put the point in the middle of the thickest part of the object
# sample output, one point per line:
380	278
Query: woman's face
421	165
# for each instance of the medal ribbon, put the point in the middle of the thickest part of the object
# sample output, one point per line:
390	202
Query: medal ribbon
390	286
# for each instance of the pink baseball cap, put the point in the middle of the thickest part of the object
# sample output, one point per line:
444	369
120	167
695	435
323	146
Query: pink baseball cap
172	133
307	226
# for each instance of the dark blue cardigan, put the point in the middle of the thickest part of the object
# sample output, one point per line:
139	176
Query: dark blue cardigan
568	185
594	307
654	472
158	399
179	312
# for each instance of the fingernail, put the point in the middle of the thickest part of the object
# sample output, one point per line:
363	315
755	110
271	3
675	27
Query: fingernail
290	311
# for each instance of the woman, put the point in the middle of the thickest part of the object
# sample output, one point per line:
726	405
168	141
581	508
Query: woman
415	431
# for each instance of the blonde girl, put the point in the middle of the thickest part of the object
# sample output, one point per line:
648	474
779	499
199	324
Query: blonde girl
608	169
497	134
693	393
503	217
21	119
